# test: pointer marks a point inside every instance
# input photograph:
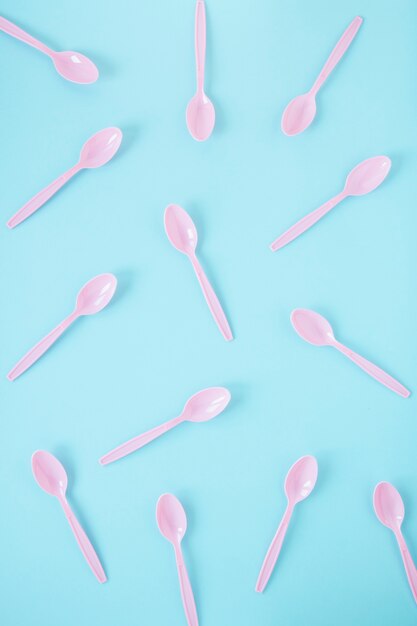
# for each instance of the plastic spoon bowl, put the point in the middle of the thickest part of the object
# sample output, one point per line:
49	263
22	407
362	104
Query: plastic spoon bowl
172	523
171	518
100	148
200	117
182	233
52	478
315	329
301	111
93	297
96	151
71	65
299	483
389	509
389	506
200	114
74	67
201	407
363	179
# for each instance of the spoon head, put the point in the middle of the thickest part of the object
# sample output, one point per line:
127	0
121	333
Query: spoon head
388	505
299	114
96	294
101	147
206	404
368	175
49	473
75	67
201	117
301	479
312	327
180	229
171	518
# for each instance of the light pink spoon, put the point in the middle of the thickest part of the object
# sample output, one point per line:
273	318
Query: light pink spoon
201	407
200	114
315	329
172	523
96	151
71	65
389	509
363	179
92	298
52	478
301	111
182	233
299	483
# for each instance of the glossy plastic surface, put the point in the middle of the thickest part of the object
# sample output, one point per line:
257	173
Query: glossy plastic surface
363	179
301	111
172	522
70	65
315	329
92	298
96	151
52	478
389	509
182	233
299	483
201	407
200	114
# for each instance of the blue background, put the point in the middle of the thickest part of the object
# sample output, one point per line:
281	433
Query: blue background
134	365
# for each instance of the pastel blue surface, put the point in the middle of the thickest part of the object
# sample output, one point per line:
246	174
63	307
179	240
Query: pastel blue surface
134	365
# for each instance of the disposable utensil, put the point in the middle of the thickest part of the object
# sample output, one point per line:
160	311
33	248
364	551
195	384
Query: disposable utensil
201	407
52	478
172	523
299	483
92	298
200	114
363	179
182	233
71	65
389	509
96	151
301	111
315	329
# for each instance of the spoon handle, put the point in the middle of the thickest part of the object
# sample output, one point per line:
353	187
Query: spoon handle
186	590
337	52
306	222
37	351
373	370
273	552
138	442
200	43
212	300
84	543
18	33
37	201
410	568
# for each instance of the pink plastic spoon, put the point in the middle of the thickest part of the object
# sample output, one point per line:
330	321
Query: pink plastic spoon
172	523
71	65
92	298
96	151
52	478
201	407
301	111
182	234
200	114
389	509
315	329
299	483
363	179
